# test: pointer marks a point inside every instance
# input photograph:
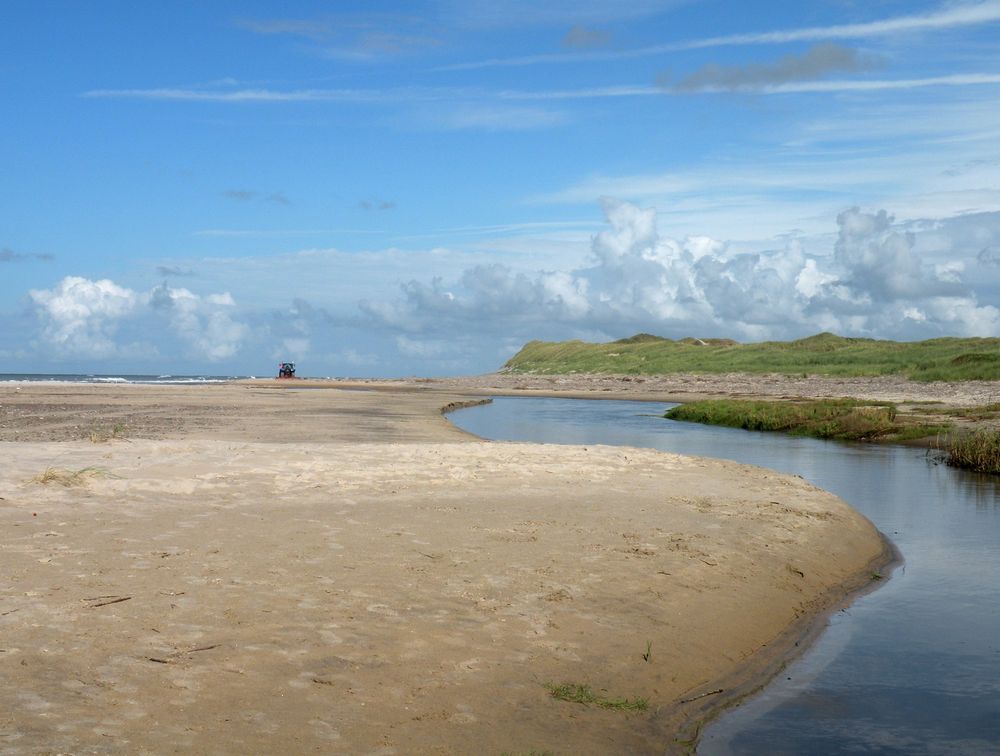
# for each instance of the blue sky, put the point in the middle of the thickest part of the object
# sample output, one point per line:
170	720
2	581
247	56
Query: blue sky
419	188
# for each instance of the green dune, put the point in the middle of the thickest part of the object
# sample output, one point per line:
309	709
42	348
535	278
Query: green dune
942	359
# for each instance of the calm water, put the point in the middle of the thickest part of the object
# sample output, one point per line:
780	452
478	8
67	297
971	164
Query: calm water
913	668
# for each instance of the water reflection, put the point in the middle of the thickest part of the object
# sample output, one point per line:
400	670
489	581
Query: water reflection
911	668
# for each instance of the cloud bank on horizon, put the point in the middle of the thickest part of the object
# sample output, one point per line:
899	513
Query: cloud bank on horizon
422	189
877	279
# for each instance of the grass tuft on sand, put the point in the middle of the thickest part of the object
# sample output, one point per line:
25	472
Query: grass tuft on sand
70	478
583	694
101	435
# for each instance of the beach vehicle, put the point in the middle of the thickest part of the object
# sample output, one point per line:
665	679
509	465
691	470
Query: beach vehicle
286	369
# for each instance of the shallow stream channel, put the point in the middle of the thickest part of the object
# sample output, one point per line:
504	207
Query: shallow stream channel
911	668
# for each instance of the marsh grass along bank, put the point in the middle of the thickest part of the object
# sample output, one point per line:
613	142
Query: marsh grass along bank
978	451
857	420
840	419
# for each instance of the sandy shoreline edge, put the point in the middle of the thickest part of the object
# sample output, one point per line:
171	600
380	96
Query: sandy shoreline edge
432	583
799	636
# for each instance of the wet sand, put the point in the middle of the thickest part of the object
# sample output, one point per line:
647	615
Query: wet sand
238	569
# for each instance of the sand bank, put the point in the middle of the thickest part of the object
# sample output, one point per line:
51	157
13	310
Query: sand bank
689	386
238	569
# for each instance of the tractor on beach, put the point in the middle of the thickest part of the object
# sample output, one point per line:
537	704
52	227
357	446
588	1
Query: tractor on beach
286	369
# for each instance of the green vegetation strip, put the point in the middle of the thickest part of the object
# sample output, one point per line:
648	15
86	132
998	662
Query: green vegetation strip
582	694
841	419
979	452
945	359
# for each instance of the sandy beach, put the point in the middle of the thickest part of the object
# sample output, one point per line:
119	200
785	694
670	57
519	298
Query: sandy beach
316	568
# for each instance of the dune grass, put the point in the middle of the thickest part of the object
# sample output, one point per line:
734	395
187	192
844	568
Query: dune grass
952	359
841	419
69	478
583	694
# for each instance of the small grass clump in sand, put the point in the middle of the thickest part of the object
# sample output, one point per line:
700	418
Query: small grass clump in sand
582	694
69	478
979	452
100	435
841	419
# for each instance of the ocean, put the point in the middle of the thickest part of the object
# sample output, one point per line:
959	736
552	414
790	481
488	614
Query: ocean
124	378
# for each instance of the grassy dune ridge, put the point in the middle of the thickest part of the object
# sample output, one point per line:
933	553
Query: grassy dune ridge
943	359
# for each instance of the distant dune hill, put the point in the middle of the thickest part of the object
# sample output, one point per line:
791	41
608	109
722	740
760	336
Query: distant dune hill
943	359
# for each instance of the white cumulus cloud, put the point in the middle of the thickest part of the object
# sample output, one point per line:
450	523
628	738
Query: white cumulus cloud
82	316
98	319
873	280
206	323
